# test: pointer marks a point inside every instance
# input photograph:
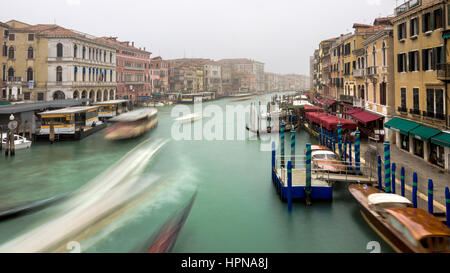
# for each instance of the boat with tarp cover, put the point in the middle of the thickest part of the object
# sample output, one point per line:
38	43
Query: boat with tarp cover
405	228
132	124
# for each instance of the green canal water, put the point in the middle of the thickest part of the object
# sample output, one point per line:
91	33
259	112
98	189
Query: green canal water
236	209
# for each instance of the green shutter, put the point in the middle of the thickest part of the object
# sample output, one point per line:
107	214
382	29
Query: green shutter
423	23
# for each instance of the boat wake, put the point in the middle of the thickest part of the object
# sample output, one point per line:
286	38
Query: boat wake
93	206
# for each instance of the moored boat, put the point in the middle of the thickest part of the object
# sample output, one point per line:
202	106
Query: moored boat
132	124
19	142
404	228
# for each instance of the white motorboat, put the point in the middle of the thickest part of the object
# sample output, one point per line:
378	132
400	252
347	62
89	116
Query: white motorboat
19	142
190	118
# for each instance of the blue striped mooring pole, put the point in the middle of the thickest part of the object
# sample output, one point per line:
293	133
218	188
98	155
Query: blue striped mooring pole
273	159
339	129
402	179
293	148
350	154
320	135
308	168
282	144
387	166
430	196
357	151
394	169
345	151
330	144
380	186
334	142
447	205
289	184
414	190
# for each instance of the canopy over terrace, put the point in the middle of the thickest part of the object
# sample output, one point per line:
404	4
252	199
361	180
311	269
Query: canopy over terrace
312	108
362	116
330	122
326	102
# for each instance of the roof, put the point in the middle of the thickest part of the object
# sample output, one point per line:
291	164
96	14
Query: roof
70	110
116	43
419	222
110	102
424	133
26	107
362	116
442	139
402	125
135	115
383	198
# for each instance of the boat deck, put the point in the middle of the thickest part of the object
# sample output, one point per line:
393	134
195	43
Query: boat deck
321	179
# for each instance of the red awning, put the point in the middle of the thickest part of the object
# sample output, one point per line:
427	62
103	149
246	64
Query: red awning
363	116
312	108
330	122
326	101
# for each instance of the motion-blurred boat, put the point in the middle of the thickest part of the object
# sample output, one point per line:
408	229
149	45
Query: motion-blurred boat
132	124
242	97
19	142
164	239
190	118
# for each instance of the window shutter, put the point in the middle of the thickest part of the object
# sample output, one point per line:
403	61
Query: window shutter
424	59
435	59
432	25
410	61
423	23
399	61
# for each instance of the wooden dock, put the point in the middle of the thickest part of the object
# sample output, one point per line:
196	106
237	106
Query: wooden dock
323	179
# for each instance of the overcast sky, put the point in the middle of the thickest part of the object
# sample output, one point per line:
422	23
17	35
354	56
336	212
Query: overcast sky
281	33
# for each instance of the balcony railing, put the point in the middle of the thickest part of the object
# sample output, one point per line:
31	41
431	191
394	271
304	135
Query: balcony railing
346	98
16	80
407	6
443	72
414	112
371	71
358	73
402	109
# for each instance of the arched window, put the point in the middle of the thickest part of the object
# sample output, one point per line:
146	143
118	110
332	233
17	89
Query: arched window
384	53
30	53
29	74
11	52
75	74
10	74
59	50
374	56
75	51
110	57
59	74
84	52
104	56
89	53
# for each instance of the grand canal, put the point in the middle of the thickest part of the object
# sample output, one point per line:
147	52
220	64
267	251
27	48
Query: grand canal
236	209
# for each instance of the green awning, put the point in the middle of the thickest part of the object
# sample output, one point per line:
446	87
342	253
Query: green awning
446	36
442	139
424	133
401	125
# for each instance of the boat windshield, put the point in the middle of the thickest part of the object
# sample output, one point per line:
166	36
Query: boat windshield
436	243
396	224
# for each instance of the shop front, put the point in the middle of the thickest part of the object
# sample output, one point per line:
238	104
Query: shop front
422	135
441	145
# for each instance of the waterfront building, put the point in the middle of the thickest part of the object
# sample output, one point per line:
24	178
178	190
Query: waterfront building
155	74
315	82
133	69
326	75
378	79
4	33
227	79
49	62
421	99
323	60
337	65
247	75
213	78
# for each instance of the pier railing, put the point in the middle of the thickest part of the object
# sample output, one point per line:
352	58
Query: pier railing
327	170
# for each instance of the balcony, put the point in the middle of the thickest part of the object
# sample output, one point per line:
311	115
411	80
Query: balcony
443	72
14	81
414	112
407	6
358	103
371	71
402	110
358	73
347	99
